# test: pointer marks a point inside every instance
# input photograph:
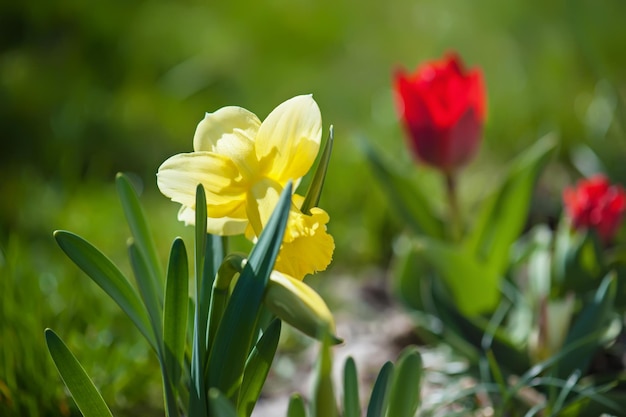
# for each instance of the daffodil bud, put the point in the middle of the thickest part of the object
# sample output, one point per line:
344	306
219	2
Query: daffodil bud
299	305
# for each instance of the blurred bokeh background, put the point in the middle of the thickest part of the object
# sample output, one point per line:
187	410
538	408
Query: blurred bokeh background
88	89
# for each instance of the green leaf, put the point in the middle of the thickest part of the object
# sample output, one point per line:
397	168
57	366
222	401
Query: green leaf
85	394
503	215
296	407
104	273
380	392
314	192
141	232
474	287
351	402
220	406
404	397
236	330
587	330
198	392
409	201
323	402
175	310
257	367
147	291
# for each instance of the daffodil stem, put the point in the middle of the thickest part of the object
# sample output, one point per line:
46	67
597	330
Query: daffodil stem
455	223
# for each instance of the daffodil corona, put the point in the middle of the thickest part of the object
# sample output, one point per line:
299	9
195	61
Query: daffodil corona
244	164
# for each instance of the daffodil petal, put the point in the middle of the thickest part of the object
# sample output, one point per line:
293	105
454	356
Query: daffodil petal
261	202
307	247
223	226
289	139
230	131
180	174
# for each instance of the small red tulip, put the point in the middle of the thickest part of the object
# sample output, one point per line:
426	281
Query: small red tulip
443	110
595	203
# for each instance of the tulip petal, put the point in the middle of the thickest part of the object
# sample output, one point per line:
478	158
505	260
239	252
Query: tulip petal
180	174
230	131
289	139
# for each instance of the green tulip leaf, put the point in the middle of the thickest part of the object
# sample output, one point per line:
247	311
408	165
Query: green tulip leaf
503	215
85	394
585	334
409	201
104	273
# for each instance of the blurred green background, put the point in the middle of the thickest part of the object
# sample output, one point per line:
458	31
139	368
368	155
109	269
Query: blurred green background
88	89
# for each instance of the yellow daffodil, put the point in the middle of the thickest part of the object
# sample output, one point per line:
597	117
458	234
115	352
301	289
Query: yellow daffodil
244	165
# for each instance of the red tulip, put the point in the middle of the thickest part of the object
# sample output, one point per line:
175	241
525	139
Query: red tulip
443	110
595	203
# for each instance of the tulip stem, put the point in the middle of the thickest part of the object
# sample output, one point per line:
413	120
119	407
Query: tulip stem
453	206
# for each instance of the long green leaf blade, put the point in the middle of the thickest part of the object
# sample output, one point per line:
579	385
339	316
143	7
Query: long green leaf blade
257	368
235	332
351	402
409	201
175	310
323	401
380	392
220	407
104	273
147	291
198	394
404	398
140	231
85	394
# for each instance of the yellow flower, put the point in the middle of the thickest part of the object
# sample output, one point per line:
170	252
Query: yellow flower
244	165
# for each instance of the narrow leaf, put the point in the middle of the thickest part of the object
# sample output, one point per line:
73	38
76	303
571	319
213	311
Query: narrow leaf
314	192
140	231
236	330
220	406
104	273
408	200
257	367
85	394
175	310
503	215
296	407
351	402
404	397
197	396
147	291
380	392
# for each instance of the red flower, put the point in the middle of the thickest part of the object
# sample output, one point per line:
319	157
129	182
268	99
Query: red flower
596	204
443	110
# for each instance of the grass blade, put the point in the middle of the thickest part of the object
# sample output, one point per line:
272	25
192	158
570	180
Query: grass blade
296	407
315	189
220	407
85	394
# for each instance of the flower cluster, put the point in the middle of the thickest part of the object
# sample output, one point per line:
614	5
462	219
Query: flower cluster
244	164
